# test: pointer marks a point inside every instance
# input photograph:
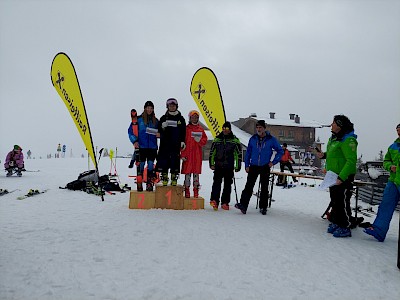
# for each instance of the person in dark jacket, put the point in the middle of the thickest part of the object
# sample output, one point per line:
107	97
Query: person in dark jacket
225	158
147	127
341	159
258	161
172	129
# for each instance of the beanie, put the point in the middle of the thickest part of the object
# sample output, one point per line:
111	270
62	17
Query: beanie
227	125
16	147
284	145
398	126
149	103
261	123
133	112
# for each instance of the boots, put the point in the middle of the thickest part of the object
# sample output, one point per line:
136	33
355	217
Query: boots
164	178
174	179
139	182
196	192
187	192
9	172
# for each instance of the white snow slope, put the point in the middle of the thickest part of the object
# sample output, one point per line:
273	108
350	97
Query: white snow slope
69	245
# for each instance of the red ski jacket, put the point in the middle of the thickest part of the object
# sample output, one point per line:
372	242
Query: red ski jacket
193	150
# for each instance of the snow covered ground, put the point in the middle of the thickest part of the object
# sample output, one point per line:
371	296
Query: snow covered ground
69	245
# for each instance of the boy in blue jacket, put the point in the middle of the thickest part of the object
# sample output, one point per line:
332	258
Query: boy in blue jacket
258	162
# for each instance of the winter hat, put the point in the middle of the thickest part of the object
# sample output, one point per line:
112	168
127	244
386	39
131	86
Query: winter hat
172	101
227	125
149	103
133	113
398	126
193	112
16	147
261	123
284	145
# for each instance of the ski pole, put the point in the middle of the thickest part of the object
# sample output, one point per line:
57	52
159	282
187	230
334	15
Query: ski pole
258	192
234	184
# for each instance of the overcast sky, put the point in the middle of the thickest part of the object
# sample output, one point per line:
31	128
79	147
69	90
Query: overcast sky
312	58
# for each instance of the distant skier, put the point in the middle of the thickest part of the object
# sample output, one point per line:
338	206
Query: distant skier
172	129
196	139
286	159
14	160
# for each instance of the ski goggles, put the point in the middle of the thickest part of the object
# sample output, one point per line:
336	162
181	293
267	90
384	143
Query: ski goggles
172	101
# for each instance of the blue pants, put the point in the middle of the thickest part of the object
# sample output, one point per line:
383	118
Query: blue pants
391	196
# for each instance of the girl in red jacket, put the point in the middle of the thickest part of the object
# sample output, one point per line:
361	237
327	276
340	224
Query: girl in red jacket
192	155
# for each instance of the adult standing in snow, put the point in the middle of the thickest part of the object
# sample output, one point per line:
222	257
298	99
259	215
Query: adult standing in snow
341	158
172	129
196	139
225	158
147	139
286	159
14	159
258	162
391	194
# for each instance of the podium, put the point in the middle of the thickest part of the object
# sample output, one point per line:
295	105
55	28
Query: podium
193	203
169	197
141	200
164	197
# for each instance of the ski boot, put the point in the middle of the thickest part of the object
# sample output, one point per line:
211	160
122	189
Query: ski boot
225	206
242	209
196	192
164	177
263	211
174	179
9	172
149	186
19	173
187	192
139	182
342	232
214	204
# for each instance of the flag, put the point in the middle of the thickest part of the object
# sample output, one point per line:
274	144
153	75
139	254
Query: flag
65	81
205	91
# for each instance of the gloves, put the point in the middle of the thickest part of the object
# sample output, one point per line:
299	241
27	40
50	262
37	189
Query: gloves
197	138
184	158
164	124
183	146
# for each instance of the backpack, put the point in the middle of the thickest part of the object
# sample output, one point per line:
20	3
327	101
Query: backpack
90	175
76	185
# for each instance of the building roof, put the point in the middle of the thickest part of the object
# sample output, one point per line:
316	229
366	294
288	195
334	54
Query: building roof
289	122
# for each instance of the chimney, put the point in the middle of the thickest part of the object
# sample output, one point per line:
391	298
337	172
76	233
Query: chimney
272	115
253	115
291	116
297	119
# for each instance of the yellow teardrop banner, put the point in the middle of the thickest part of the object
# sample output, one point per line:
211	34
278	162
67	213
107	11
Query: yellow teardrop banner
205	91
65	81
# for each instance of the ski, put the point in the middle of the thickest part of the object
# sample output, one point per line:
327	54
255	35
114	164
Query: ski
5	192
31	193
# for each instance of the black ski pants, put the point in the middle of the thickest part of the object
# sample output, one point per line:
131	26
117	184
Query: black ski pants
254	171
340	201
227	176
287	164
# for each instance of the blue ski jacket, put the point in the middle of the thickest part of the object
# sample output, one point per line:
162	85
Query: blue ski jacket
148	141
259	151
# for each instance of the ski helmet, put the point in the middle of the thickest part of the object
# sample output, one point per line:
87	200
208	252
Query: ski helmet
148	103
172	101
16	148
193	112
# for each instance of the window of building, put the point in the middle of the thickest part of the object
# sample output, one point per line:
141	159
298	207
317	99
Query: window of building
311	135
291	134
281	132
